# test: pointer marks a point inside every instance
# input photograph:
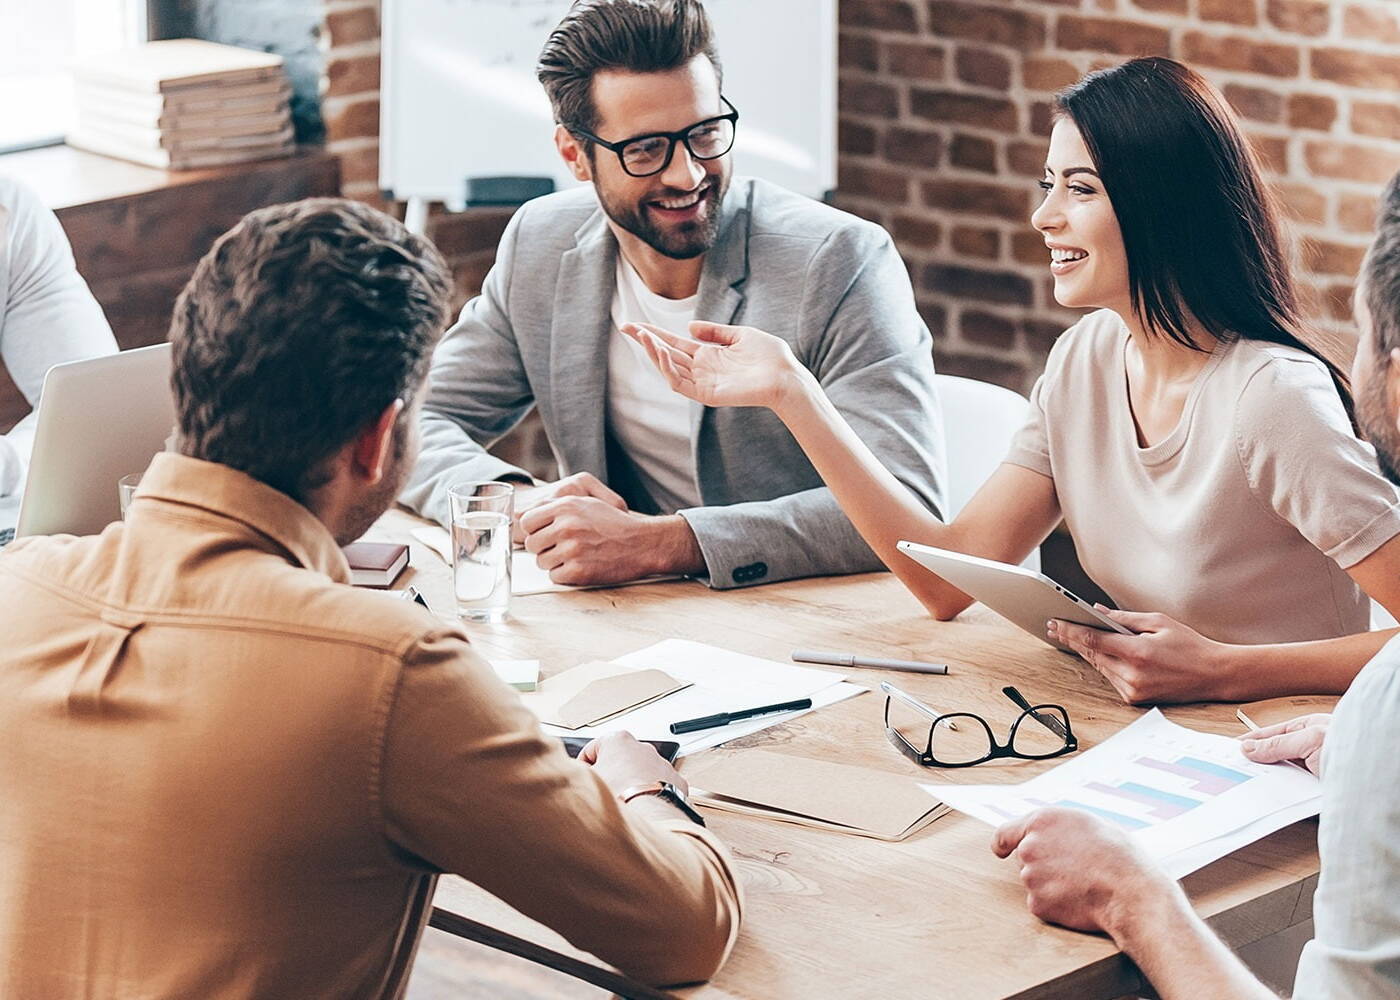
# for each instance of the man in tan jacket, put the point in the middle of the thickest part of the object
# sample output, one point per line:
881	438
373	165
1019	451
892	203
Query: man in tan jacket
225	773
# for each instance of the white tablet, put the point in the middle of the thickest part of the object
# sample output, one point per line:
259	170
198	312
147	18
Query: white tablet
1022	596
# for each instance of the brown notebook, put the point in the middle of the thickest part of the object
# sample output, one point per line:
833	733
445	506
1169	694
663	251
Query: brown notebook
1258	714
375	564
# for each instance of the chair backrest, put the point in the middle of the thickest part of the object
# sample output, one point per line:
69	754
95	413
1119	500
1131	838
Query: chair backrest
980	421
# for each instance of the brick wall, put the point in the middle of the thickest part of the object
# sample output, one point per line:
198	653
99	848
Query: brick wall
944	110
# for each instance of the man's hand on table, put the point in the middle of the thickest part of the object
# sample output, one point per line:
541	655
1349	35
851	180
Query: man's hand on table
580	484
590	540
1299	739
624	762
1081	873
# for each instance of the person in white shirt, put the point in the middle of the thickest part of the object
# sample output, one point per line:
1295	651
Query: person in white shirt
1083	874
47	314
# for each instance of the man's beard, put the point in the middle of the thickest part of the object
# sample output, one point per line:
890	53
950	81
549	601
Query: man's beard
362	516
683	242
1378	425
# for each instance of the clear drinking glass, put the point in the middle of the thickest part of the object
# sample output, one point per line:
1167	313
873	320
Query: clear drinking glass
481	516
126	489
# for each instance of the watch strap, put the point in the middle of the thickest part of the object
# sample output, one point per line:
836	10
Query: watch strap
667	792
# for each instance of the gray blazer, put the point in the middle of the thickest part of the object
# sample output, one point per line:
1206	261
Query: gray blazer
828	283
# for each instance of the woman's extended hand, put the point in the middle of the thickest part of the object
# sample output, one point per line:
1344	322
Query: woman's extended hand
723	365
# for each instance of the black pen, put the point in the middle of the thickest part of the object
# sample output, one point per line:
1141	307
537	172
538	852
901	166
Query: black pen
725	718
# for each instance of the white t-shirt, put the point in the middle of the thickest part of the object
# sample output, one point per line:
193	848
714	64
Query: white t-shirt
47	314
647	419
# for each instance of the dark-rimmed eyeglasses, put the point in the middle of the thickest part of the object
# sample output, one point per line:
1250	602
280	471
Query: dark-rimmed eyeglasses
961	739
644	155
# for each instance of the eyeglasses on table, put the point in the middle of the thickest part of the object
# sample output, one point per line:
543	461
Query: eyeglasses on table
962	739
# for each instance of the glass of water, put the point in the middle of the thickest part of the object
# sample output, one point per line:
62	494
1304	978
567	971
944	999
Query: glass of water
481	516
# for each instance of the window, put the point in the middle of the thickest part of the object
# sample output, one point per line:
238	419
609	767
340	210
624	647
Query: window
39	40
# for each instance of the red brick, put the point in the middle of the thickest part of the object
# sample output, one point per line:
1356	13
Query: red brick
866	97
916	231
1372	24
983	369
1241	54
1026	158
1357	69
1356	213
992	25
1042	118
977	198
1028	247
1161	6
1101	34
350	27
1326	257
1231	11
887	15
865	180
1312	111
974	153
915	60
858	51
1339	298
1347	161
1376	118
968	109
1040	335
983	68
1300	17
856	139
1003	287
468	276
915	147
1255	102
870	212
970	241
1043	73
987	329
359	165
935	317
1272	151
458	234
355	75
356	120
1303	202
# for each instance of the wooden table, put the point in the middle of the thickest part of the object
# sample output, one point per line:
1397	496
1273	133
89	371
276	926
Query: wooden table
830	915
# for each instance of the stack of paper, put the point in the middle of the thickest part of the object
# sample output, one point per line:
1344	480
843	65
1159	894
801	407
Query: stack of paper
703	680
183	103
1187	798
816	793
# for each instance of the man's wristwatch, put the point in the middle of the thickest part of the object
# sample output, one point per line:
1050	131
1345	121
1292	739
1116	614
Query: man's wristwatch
667	792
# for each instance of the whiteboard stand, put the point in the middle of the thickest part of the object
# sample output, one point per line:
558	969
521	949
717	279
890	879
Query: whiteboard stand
415	216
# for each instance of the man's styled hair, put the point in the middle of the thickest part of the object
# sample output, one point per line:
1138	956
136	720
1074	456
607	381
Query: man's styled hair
298	327
1381	273
638	36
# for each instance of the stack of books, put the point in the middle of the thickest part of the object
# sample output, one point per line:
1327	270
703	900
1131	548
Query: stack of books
183	103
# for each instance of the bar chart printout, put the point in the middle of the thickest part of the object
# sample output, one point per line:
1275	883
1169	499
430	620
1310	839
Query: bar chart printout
1187	797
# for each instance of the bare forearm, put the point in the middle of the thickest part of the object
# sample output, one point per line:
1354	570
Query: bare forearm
1178	954
1324	666
878	504
673	547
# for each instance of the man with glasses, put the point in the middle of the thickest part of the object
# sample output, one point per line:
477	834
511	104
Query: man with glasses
1084	874
664	233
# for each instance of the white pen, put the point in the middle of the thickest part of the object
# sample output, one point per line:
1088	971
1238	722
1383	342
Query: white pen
852	660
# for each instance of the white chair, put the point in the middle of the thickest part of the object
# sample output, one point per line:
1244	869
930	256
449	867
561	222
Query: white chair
980	419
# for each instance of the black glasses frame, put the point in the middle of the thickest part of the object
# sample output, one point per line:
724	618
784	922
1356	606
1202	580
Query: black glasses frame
671	139
998	751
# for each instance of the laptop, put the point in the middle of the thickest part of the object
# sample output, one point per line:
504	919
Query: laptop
99	419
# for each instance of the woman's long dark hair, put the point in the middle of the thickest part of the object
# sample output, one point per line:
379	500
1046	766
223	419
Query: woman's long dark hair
1199	225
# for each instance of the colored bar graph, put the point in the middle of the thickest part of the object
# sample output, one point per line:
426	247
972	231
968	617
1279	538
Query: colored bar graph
1164	805
1207	778
1127	822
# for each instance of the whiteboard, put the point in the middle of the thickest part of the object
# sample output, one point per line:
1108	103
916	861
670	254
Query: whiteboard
459	96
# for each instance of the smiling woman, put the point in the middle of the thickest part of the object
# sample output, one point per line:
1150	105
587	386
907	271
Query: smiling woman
1201	453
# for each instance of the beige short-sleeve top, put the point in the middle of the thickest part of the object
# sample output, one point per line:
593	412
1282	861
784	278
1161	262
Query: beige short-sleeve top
1242	521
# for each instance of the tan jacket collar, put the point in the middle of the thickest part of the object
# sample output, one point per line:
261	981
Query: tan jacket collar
226	492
